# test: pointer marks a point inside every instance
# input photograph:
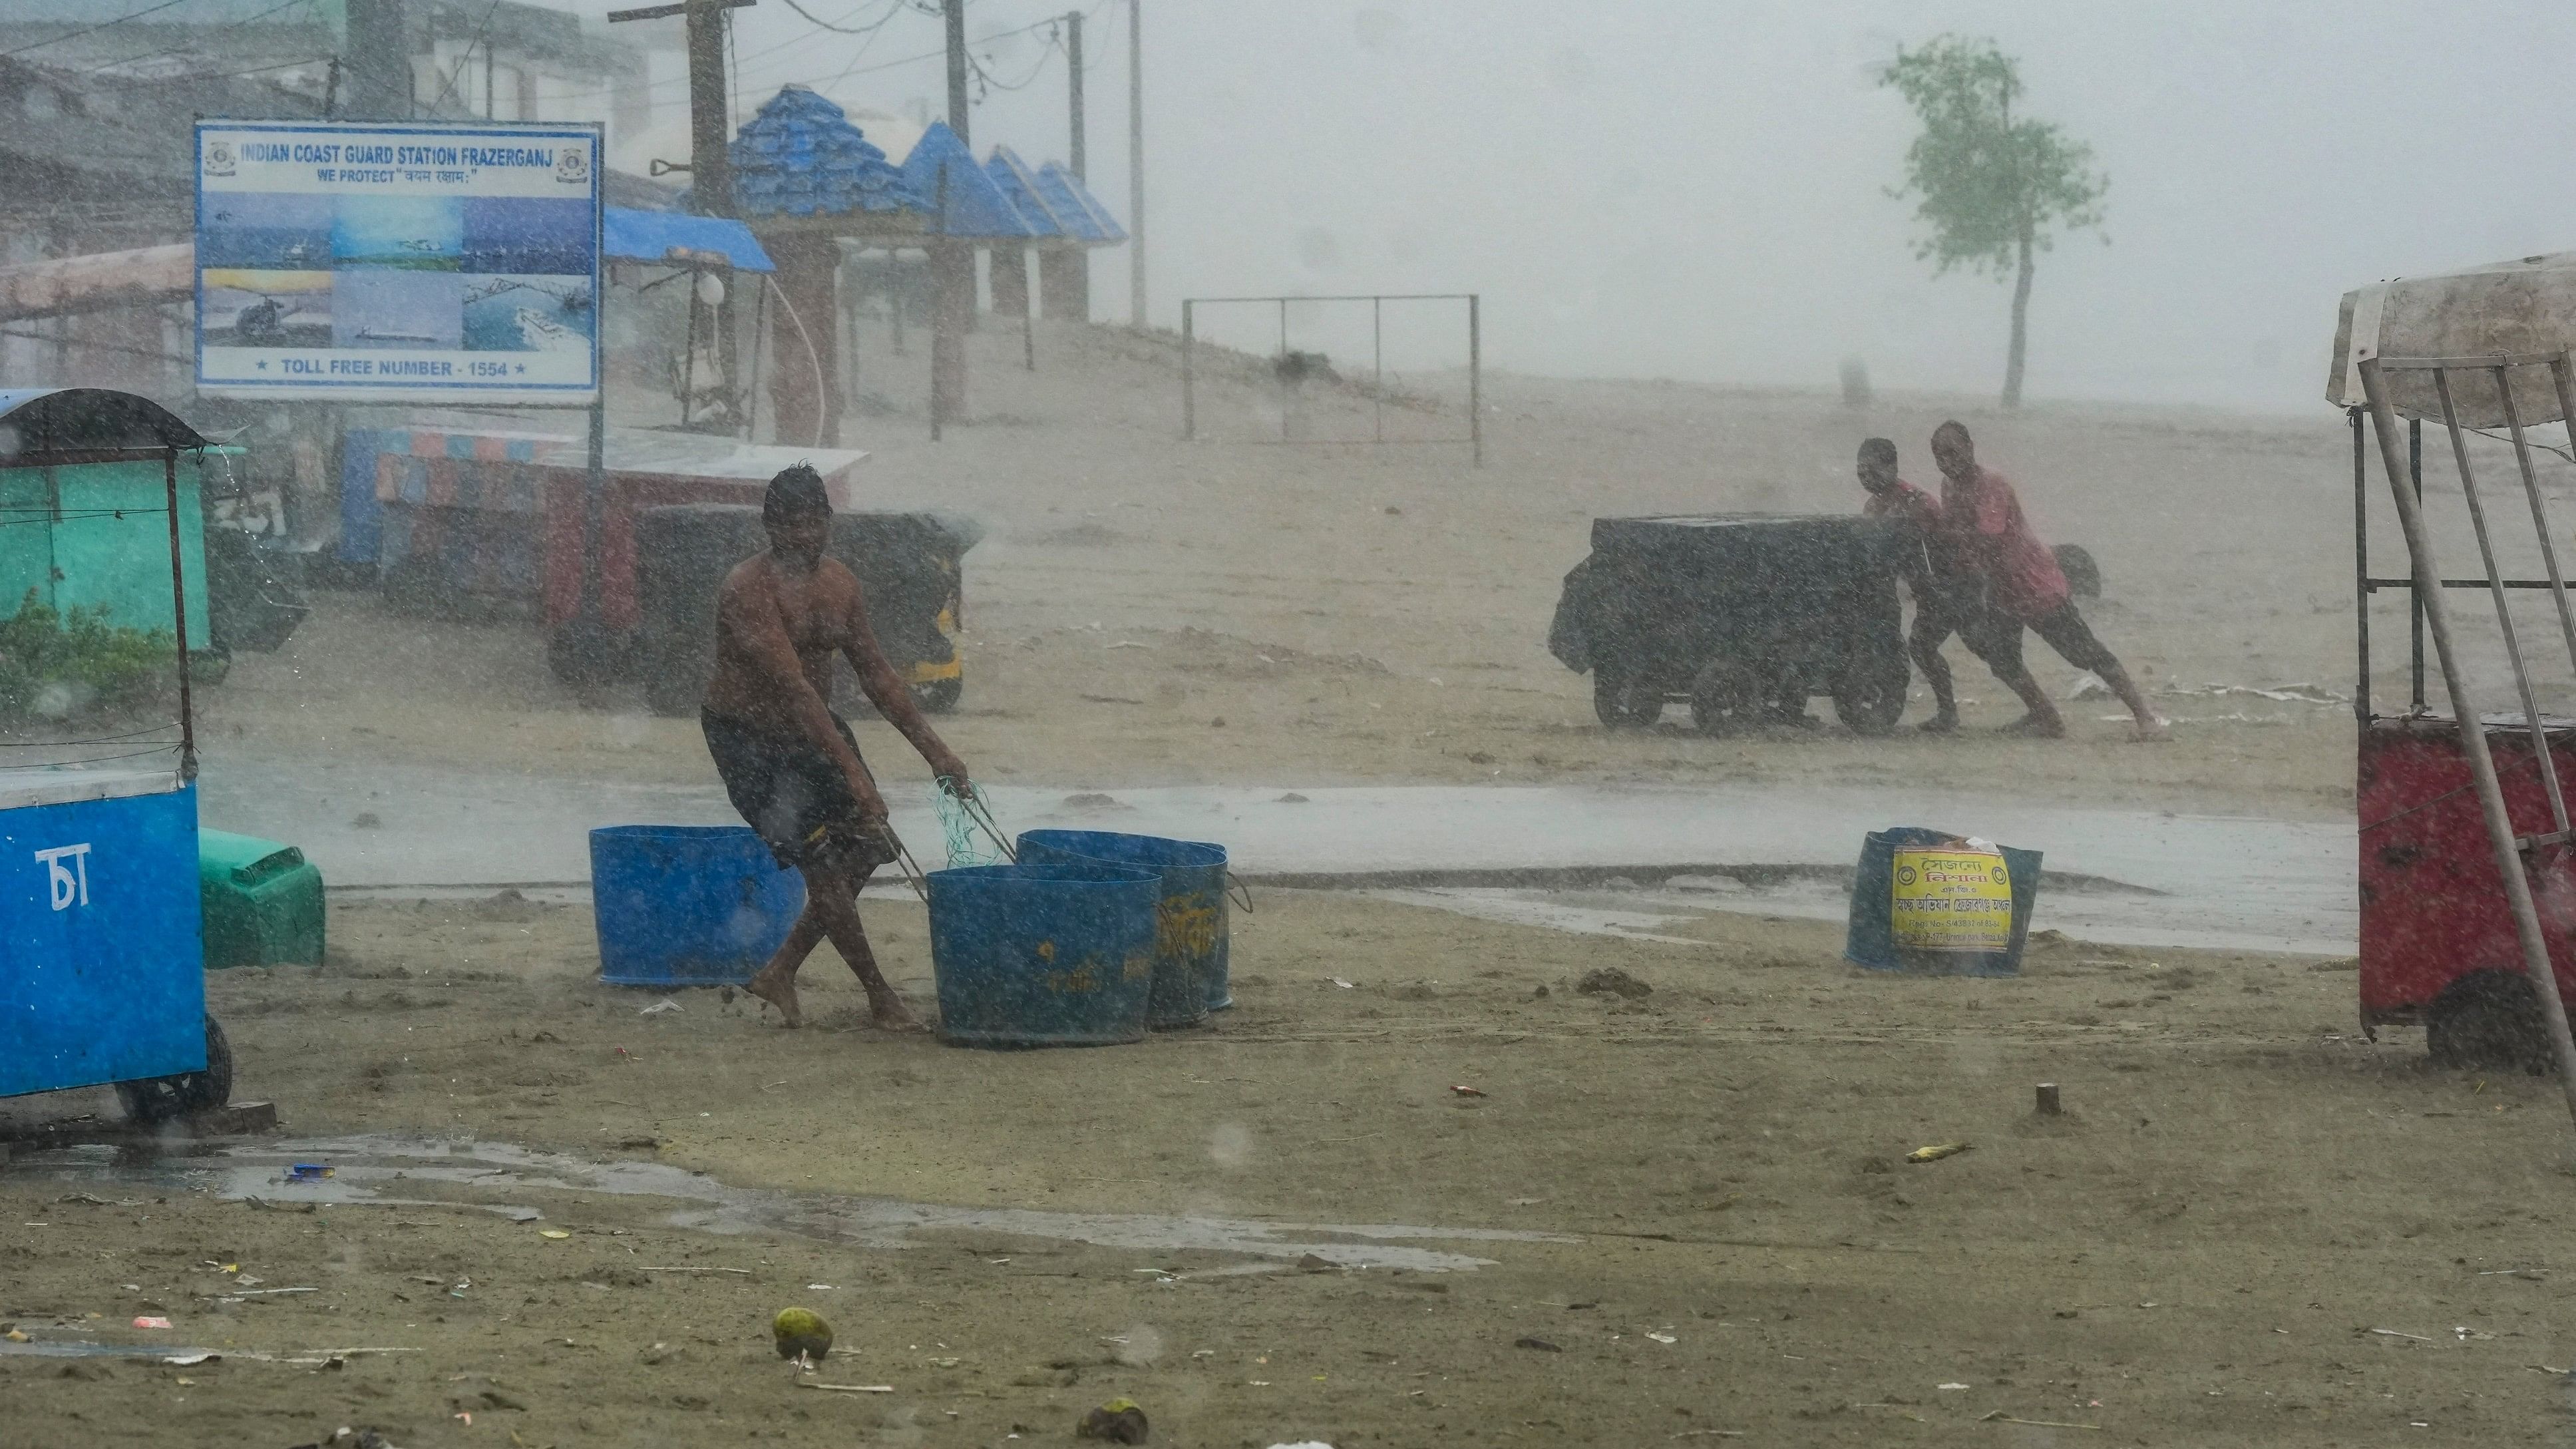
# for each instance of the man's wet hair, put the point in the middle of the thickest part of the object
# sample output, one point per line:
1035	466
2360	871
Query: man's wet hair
1953	429
1878	450
797	492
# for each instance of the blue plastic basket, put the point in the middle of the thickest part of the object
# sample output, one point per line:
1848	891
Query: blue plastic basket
687	905
1190	922
1043	954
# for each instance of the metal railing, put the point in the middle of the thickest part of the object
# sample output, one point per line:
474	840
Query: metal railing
2515	855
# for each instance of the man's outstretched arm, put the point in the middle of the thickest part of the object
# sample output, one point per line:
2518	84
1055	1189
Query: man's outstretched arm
893	698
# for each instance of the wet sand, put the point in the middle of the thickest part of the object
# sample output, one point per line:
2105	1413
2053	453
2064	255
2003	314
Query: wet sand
1149	611
2239	1193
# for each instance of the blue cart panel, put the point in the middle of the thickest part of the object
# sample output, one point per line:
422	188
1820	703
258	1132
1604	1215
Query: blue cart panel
102	975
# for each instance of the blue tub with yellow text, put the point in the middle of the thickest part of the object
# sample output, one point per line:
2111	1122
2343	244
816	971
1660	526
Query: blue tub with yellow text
1043	954
1190	927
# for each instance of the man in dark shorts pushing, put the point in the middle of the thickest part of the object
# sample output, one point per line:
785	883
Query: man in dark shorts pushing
792	766
1993	544
1921	562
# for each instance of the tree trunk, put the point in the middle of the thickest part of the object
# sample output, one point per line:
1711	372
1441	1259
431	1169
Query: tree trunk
2020	326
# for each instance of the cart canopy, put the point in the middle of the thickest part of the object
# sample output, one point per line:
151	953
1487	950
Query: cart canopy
2516	308
45	420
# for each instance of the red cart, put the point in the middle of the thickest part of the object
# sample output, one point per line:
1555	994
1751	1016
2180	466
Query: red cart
2467	854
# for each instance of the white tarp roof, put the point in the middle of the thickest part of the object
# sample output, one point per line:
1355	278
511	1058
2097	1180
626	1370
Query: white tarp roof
2517	308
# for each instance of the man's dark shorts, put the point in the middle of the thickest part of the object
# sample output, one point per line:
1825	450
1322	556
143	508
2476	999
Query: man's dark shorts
1995	637
793	796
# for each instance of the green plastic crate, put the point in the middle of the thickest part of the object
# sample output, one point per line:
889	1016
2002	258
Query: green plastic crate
262	902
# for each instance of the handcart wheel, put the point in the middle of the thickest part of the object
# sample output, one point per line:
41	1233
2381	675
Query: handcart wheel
2487	1019
1620	702
1870	697
1726	698
155	1100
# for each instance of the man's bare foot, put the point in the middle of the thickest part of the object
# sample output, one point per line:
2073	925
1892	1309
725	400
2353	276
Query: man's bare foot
2038	727
2153	729
778	988
892	1015
1940	724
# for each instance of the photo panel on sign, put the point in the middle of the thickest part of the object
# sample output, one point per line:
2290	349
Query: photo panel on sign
262	230
405	310
414	233
529	234
249	307
529	313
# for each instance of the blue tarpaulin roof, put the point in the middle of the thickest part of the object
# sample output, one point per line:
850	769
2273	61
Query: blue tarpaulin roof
975	206
1081	213
652	236
1020	184
801	157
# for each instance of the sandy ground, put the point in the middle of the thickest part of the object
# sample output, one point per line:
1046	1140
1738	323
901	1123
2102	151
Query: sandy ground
1147	610
2202	1250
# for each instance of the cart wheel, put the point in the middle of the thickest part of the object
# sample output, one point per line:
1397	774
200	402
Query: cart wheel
2487	1019
939	696
1870	697
1621	703
155	1100
1726	698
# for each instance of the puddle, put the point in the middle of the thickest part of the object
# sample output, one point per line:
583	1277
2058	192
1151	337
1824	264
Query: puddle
383	1171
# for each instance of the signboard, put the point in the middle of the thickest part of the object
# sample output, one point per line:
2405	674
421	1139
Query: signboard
398	261
1951	900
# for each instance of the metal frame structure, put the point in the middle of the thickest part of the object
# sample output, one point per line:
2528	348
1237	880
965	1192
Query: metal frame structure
2516	855
1475	439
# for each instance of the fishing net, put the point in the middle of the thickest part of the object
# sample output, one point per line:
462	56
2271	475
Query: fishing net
966	828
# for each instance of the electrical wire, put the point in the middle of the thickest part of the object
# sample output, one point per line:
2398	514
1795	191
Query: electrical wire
844	29
482	34
95	29
314	5
985	77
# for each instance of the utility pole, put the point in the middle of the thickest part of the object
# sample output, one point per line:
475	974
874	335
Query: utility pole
1073	87
378	64
952	264
1136	162
955	13
710	165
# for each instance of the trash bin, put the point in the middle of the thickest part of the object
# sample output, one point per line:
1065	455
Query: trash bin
261	900
1929	901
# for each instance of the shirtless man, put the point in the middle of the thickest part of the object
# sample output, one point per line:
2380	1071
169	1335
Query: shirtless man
1991	542
792	766
1920	562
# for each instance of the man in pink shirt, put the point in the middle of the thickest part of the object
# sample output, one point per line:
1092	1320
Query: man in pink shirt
1991	541
1920	562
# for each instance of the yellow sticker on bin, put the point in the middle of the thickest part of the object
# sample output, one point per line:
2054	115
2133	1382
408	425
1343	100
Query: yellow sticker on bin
1950	900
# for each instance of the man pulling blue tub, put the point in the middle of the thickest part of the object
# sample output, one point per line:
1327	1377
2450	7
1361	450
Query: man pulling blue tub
790	764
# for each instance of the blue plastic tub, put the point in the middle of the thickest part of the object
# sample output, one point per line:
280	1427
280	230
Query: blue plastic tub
1190	924
1043	955
687	905
1871	938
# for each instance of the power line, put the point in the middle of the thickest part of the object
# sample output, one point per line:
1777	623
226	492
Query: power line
482	33
1023	83
95	29
846	29
190	44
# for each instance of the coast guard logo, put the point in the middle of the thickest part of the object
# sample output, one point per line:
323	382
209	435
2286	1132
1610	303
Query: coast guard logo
219	158
572	166
1996	875
1905	875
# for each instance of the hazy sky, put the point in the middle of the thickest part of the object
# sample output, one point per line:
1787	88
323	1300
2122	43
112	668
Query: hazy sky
1697	189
